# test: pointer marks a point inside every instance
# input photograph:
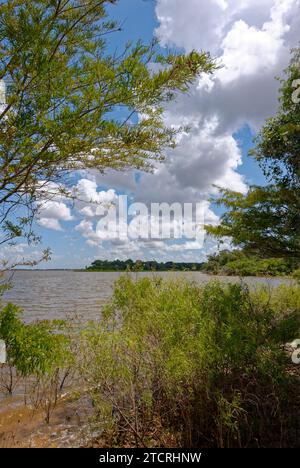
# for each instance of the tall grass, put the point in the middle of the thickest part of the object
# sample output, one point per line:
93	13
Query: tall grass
176	364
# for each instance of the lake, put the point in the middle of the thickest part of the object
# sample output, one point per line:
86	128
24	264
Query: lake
60	294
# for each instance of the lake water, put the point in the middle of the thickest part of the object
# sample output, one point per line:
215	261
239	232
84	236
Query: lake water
67	294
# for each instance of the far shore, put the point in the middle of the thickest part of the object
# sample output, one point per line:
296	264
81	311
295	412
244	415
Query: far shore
213	275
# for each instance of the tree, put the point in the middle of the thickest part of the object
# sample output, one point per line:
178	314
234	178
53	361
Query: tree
266	221
72	103
278	144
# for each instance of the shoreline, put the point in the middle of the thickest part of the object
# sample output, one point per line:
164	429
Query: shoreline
212	275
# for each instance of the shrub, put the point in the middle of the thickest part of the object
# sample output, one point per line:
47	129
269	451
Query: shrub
197	366
237	263
296	274
37	352
34	348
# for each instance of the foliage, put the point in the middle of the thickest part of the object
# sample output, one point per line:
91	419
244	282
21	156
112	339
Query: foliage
296	274
39	354
139	265
33	349
266	221
176	364
238	263
74	103
278	143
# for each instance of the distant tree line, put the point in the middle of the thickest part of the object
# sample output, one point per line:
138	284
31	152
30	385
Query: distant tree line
139	265
226	262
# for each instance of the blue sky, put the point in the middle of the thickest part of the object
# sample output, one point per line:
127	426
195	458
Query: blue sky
252	40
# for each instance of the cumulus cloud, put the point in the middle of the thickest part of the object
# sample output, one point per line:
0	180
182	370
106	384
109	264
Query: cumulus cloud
52	212
55	203
252	41
86	190
195	24
89	201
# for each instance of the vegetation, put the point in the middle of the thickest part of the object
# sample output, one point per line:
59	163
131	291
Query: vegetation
139	265
172	364
231	263
72	102
266	221
239	263
39	354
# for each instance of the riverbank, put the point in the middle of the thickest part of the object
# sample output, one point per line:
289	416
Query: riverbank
22	426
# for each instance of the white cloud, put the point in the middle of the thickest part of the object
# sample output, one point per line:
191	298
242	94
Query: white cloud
55	210
49	223
85	228
252	39
89	201
196	24
52	212
86	190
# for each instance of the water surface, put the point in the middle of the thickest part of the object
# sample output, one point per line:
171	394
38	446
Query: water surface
53	294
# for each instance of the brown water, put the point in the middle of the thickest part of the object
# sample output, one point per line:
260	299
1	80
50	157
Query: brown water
61	294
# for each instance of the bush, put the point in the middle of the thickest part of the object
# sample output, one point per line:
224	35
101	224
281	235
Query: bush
237	263
175	364
34	348
296	274
37	352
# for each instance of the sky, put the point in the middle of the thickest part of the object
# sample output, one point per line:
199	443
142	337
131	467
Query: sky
252	40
